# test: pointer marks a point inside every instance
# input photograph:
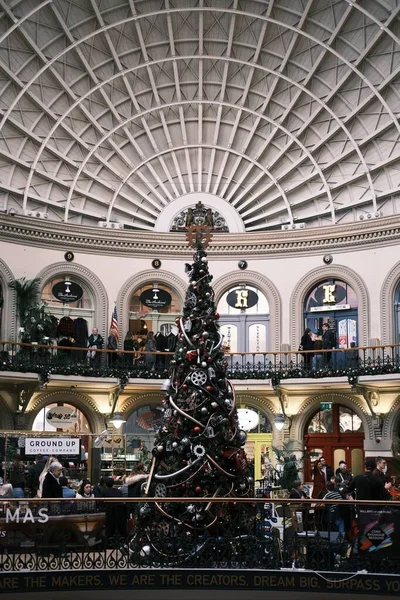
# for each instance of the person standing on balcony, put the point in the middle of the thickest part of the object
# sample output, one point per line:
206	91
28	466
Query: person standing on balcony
307	343
328	343
150	346
128	347
95	342
112	344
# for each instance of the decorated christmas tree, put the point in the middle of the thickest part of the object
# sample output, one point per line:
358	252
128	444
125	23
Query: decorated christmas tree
198	450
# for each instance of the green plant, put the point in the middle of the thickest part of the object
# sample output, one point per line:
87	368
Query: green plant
27	291
288	466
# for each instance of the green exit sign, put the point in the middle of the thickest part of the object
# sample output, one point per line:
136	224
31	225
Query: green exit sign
326	405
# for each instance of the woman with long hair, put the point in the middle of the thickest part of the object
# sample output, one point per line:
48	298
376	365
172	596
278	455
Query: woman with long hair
43	474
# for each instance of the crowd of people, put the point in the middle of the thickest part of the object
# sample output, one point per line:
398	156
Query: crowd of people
373	485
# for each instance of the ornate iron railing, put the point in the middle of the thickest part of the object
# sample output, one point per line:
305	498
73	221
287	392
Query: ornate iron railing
352	363
125	533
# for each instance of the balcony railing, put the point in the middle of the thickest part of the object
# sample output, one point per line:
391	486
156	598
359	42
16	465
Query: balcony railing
275	366
263	535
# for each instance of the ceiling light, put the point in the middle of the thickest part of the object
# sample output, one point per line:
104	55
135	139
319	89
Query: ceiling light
279	421
117	420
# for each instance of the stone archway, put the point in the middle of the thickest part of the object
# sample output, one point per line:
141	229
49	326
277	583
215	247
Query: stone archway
83	402
313	278
389	286
9	321
6	416
88	279
135	282
265	286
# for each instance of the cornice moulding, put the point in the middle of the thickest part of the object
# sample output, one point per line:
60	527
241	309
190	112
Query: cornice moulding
337	238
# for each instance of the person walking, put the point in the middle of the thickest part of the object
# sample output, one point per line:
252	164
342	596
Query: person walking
307	343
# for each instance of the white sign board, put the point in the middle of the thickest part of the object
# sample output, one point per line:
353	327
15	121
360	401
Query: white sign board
52	445
61	417
325	307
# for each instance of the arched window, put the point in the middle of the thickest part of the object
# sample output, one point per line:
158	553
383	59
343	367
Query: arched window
244	319
153	307
68	420
1	310
397	314
82	309
337	433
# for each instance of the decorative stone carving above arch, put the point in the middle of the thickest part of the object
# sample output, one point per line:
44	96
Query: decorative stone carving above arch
224	283
89	280
311	405
6	416
9	320
311	279
389	286
84	403
132	403
391	422
135	282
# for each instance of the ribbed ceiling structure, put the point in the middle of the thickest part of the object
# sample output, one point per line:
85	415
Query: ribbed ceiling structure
288	110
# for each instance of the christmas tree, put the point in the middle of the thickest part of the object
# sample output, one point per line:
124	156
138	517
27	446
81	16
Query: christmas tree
198	451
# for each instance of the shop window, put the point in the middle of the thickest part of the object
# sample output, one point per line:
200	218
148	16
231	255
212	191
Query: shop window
153	307
244	319
335	303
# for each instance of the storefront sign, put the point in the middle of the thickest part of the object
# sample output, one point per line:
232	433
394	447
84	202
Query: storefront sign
325	308
155	298
201	579
330	293
61	417
52	445
67	291
242	298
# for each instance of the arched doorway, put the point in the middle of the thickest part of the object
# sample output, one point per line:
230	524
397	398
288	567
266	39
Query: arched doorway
64	420
336	432
333	302
259	441
244	319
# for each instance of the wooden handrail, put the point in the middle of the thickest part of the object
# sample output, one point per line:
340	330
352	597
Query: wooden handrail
160	353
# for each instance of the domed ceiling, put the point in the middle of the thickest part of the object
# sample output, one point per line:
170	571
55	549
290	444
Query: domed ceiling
287	110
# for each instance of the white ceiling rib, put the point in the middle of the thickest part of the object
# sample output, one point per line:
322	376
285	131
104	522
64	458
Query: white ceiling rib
287	111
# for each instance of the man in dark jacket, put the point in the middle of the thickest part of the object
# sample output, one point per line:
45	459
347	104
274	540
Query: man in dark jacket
367	486
344	475
52	487
33	474
116	515
328	342
381	472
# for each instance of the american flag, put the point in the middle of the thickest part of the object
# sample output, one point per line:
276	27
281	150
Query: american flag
114	322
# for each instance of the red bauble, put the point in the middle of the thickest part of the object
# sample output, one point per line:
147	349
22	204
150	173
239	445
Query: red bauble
177	320
198	489
210	359
216	316
196	429
209	388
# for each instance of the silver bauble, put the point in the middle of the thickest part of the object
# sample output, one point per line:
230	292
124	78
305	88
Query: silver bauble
174	444
204	259
145	551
